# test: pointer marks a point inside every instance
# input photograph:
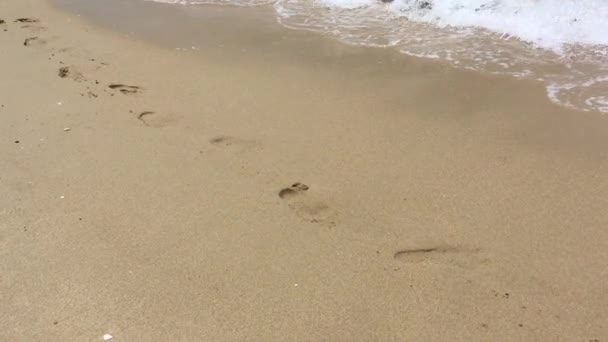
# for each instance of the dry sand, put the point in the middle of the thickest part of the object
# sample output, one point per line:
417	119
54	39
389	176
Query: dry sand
434	205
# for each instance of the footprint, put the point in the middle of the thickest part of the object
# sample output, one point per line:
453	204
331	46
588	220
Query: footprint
34	28
141	117
153	119
125	89
239	144
90	95
33	41
64	72
308	206
241	154
30	23
442	254
70	72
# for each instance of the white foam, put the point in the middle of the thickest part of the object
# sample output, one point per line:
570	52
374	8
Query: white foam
547	23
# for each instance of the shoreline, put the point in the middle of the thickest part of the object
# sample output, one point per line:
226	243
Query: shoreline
258	28
433	203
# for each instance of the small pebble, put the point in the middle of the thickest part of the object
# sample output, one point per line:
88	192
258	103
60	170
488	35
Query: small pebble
107	337
67	129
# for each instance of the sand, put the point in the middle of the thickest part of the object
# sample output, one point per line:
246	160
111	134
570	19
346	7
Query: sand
140	191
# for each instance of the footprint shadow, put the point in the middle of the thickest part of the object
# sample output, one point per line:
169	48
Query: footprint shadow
155	120
293	190
26	20
460	256
125	89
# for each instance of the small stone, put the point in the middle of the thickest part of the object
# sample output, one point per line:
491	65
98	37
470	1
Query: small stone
107	337
67	129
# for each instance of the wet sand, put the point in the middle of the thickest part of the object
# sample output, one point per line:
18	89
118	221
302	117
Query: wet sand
276	185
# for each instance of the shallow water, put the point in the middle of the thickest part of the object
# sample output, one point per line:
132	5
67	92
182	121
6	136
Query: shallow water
561	43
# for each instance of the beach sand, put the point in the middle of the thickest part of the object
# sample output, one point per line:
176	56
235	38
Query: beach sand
269	184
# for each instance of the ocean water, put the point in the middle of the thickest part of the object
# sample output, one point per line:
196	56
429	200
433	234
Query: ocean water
562	43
